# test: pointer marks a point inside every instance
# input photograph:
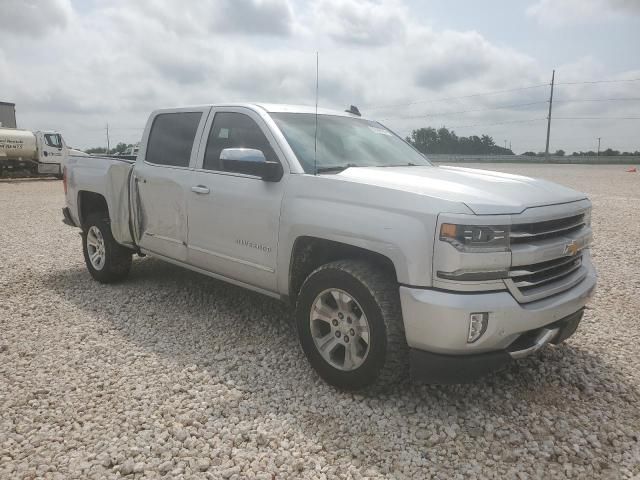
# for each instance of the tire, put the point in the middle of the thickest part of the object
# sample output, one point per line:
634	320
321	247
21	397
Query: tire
374	295
115	259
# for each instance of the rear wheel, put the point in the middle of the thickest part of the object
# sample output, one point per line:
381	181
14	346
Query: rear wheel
350	325
106	260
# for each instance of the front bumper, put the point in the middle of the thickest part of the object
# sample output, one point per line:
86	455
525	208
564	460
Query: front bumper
437	322
436	368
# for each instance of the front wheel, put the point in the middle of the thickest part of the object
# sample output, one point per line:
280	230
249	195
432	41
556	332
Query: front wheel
350	326
107	260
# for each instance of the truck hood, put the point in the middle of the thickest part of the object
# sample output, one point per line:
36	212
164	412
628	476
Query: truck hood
484	192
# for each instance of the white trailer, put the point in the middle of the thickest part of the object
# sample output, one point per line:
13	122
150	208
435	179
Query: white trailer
41	152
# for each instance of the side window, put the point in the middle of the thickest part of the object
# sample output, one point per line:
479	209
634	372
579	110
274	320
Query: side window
234	130
171	138
53	140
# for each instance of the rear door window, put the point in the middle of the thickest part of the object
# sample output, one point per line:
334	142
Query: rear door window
171	138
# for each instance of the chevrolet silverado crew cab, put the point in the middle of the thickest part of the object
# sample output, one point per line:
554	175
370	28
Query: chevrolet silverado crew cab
388	260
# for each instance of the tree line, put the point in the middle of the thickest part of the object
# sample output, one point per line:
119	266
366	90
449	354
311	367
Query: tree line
119	148
590	153
442	140
429	140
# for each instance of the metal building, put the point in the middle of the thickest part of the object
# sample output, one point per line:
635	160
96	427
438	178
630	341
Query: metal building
7	115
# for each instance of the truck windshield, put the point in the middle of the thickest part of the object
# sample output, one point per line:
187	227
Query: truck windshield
53	140
344	142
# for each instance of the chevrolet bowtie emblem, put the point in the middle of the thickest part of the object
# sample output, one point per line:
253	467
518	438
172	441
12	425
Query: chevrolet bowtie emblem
571	249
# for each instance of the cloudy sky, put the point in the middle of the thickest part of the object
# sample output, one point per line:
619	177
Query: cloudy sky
74	65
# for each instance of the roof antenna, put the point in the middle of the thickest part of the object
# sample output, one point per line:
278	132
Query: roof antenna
315	135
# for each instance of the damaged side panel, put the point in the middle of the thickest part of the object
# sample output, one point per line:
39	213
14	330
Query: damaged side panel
159	204
117	194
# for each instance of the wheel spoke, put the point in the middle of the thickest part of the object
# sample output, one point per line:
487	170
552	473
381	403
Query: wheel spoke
327	344
362	331
349	356
323	312
342	300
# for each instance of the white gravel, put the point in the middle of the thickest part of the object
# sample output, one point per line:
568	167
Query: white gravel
174	374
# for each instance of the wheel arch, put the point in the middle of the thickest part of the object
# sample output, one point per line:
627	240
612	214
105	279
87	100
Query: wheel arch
89	203
310	252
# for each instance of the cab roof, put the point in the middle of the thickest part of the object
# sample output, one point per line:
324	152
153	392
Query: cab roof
287	108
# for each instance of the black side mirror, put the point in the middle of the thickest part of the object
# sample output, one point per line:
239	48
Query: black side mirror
272	172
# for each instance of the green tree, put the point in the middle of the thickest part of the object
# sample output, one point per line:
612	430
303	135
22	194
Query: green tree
429	140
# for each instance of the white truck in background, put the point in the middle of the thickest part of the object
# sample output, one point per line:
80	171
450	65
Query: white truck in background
39	152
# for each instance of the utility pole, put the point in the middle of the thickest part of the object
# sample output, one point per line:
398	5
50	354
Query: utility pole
546	150
599	138
505	144
108	146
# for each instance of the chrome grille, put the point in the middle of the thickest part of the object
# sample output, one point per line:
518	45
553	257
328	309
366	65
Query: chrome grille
529	232
547	240
527	277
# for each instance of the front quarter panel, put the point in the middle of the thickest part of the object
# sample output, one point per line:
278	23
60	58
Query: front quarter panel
396	224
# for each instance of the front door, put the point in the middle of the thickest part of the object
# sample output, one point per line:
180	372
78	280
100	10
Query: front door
234	217
162	175
51	156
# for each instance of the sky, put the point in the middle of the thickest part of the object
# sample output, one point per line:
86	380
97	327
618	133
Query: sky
475	67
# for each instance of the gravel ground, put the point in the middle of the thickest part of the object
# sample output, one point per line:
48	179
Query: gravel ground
174	374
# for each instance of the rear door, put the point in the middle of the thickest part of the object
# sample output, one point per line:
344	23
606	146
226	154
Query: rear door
234	217
162	176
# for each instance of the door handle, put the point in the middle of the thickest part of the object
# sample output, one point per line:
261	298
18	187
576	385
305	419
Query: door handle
200	189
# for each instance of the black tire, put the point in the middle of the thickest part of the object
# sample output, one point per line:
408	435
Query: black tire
376	292
117	259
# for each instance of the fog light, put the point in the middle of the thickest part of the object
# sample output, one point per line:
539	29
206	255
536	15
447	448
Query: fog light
477	326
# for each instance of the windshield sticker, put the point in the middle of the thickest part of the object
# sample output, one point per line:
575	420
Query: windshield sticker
379	130
224	133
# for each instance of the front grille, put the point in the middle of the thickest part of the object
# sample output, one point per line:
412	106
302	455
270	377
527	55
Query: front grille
529	277
529	232
547	240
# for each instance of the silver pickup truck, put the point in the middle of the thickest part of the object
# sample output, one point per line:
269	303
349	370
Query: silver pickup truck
388	260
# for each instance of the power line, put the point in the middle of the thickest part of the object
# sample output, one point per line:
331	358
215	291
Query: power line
596	118
495	92
506	107
498	123
443	114
628	99
599	81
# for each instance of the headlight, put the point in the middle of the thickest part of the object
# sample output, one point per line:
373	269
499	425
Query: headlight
476	238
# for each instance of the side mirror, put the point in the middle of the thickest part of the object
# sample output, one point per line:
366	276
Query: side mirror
251	161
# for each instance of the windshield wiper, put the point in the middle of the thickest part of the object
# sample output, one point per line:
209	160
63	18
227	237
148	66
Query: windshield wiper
335	168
